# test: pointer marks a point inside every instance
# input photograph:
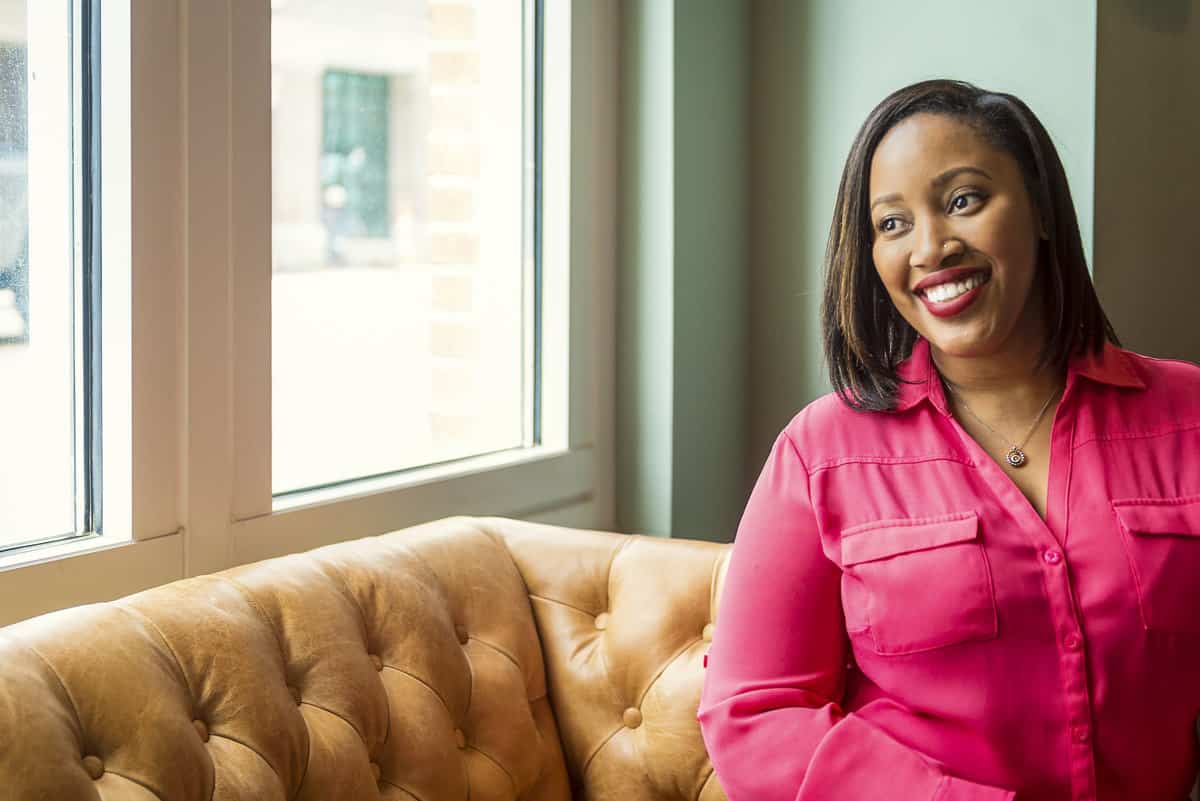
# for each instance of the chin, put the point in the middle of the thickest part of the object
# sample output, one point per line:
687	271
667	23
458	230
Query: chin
966	344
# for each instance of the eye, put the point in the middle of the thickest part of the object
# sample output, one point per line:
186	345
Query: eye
889	224
966	200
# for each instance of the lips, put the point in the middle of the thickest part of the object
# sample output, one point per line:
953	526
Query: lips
956	305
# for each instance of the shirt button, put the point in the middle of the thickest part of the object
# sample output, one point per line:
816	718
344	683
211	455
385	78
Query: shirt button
1052	557
1071	641
1080	734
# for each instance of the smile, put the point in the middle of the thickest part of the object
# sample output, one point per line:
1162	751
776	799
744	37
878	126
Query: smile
943	293
947	298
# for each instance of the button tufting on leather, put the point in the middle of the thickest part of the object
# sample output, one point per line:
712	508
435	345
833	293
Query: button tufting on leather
708	632
315	617
94	766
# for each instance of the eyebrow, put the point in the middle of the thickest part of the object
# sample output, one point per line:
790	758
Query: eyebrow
938	180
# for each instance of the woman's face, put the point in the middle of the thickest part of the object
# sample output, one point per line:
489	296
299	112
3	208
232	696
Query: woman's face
955	237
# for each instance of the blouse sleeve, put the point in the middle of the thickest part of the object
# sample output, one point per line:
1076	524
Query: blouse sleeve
769	712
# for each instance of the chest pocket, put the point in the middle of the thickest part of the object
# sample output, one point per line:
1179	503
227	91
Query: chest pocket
917	584
1162	542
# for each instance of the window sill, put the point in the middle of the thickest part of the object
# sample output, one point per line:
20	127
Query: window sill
85	571
400	480
508	484
38	554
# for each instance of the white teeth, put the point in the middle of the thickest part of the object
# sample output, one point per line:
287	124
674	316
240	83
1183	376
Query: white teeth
951	290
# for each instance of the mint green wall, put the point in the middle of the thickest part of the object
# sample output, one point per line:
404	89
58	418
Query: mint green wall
645	277
711	281
817	68
682	296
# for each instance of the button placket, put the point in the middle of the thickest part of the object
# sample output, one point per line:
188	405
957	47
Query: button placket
1059	585
1080	735
1049	535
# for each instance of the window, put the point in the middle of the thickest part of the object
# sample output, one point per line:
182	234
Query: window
402	321
49	274
240	360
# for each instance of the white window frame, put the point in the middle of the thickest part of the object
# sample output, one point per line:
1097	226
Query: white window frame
187	368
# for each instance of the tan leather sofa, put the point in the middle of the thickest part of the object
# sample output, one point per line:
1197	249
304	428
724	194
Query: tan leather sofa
468	658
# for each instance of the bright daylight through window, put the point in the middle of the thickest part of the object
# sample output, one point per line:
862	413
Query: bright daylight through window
404	274
49	280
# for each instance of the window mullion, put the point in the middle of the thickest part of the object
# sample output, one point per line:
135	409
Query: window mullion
208	313
250	155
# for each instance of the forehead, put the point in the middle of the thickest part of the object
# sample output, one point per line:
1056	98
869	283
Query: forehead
924	145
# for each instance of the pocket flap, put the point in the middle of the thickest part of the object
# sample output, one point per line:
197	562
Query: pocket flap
894	537
1179	516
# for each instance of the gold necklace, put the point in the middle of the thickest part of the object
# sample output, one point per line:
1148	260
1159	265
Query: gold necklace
1016	454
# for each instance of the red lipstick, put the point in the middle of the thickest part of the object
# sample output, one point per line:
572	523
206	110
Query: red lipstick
955	306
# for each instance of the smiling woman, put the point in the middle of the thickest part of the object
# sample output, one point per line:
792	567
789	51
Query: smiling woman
937	584
987	168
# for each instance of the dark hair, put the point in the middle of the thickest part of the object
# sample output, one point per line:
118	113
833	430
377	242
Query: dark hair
865	337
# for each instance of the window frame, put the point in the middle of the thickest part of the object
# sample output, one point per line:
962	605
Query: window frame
68	176
142	542
187	365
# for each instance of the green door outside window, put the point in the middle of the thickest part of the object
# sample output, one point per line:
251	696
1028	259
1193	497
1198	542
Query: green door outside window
356	108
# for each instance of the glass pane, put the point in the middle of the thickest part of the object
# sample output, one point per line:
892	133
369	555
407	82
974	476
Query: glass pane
37	311
397	301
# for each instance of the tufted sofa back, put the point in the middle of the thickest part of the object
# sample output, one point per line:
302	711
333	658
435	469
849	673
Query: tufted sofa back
467	658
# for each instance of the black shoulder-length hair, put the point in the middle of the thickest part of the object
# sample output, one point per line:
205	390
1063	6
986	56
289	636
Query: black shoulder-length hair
865	337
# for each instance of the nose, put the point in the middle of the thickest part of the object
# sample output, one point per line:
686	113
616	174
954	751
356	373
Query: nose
933	247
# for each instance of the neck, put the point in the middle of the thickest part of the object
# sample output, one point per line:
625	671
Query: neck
999	373
1004	387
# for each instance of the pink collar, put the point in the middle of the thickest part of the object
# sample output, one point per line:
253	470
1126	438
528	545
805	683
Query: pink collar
1111	366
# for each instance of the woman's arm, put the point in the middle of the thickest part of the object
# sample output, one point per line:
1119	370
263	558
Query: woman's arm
769	712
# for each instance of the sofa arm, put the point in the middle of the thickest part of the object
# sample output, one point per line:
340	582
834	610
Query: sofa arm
625	622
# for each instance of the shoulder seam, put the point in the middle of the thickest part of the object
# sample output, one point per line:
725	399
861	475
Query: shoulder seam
796	451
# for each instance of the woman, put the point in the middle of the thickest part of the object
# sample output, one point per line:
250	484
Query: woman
973	571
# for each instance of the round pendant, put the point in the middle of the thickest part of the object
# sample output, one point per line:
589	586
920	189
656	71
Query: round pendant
1016	457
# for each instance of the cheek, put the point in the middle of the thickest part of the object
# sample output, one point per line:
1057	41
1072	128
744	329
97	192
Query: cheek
1014	244
890	269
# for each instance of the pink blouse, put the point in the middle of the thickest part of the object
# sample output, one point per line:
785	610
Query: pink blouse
898	623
